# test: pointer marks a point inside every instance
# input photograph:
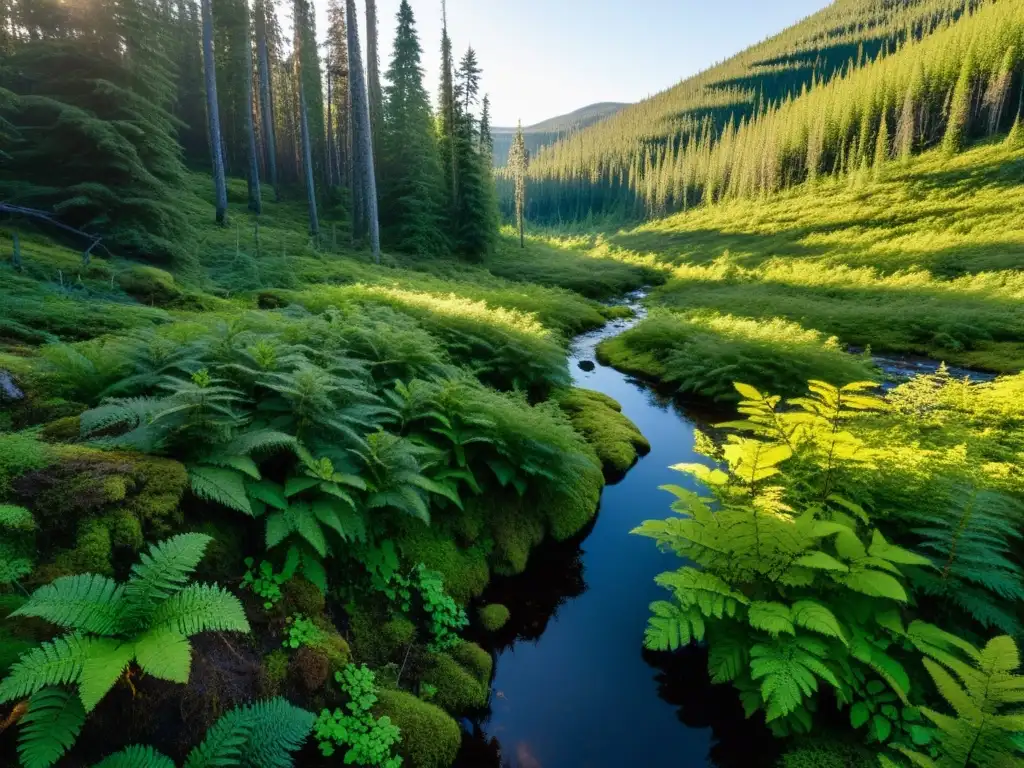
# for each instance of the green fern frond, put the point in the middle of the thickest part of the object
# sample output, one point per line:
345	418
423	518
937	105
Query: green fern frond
673	626
813	616
50	727
770	617
165	568
58	662
259	441
136	757
165	653
15	562
201	608
221	486
789	669
106	662
712	595
88	602
260	735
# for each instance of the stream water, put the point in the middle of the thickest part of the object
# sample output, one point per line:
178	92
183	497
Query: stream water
573	687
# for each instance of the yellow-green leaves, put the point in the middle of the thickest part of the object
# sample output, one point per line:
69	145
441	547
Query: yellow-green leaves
672	627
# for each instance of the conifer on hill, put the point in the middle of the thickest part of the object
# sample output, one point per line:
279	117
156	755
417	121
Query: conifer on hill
410	167
518	162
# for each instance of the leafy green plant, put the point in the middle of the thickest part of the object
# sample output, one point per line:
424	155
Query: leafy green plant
301	631
985	692
17	545
115	629
789	598
445	617
263	581
367	740
260	735
971	540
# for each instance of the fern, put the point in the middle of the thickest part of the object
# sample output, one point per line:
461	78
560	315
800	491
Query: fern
971	541
789	670
260	735
136	757
146	621
16	545
54	719
986	729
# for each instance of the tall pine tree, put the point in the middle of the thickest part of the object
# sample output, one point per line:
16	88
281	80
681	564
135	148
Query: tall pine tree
362	142
518	162
410	167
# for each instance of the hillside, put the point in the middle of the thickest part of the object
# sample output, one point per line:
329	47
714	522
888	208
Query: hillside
816	96
549	131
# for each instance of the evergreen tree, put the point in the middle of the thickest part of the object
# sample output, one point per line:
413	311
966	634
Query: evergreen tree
411	179
307	64
959	111
486	138
213	114
190	102
446	112
518	162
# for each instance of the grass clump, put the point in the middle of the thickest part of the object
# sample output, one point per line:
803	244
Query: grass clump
600	420
702	354
430	736
149	285
494	616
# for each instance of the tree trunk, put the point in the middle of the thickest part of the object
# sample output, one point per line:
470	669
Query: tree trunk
330	125
213	113
307	161
376	96
255	198
266	106
363	141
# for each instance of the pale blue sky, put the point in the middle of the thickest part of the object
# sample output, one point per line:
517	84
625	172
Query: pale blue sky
543	58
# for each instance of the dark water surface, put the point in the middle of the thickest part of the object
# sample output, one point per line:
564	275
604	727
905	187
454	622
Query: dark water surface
573	687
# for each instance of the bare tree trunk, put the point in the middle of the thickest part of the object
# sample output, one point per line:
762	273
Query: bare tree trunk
373	88
255	198
307	161
362	148
213	113
330	125
266	106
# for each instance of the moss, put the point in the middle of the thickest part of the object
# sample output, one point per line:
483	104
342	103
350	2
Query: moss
336	650
476	660
311	668
158	485
19	454
223	561
465	571
458	689
301	596
92	553
599	419
825	752
274	672
430	737
378	640
494	616
517	529
62	430
125	530
571	508
149	285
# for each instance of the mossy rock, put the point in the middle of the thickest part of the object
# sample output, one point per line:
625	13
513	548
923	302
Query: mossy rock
459	689
476	660
20	454
494	616
464	571
430	736
302	596
63	430
274	673
378	640
599	419
310	668
149	285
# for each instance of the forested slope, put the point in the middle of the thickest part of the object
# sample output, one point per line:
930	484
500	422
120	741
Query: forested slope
855	84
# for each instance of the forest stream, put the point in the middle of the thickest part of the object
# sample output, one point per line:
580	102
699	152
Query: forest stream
573	687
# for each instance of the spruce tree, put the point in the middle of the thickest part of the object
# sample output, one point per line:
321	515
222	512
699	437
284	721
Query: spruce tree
373	88
957	125
410	168
486	139
268	134
446	113
518	162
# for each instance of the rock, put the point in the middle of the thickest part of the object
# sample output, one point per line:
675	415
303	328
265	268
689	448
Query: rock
8	388
587	365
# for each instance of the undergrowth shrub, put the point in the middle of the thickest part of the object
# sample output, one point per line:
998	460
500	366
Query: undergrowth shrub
702	354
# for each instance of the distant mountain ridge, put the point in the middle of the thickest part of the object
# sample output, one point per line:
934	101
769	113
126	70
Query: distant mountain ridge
549	131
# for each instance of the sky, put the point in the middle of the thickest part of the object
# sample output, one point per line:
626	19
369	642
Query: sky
544	58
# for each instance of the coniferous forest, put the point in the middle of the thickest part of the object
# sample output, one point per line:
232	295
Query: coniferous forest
324	441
